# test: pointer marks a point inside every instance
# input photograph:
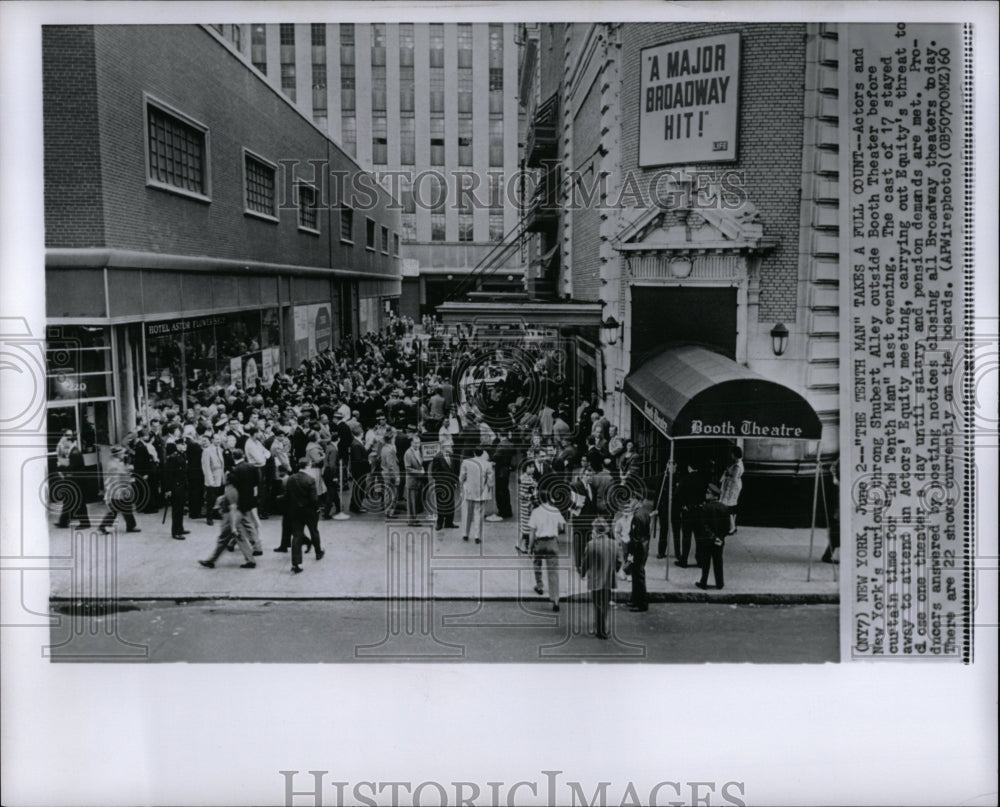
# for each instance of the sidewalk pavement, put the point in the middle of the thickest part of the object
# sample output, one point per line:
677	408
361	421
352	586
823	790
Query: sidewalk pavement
368	557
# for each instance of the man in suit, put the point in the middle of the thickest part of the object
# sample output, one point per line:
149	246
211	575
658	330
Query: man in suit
301	503
503	457
213	471
226	504
389	463
118	492
245	480
175	481
414	479
640	519
601	560
711	525
476	478
444	477
74	477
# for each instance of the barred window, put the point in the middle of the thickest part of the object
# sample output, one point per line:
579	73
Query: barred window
349	134
347	33
464	226
496	46
437	141
407	141
347	224
288	80
369	233
380	141
378	43
258	47
178	152
437	89
496	141
318	34
286	32
347	92
436	45
464	90
406	85
385	240
308	213
378	87
437	227
496	225
465	140
465	45
259	186
409	221
406	44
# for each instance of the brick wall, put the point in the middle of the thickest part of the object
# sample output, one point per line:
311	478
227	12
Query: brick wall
586	260
770	135
186	68
73	194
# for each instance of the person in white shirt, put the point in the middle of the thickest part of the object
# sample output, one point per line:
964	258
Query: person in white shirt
545	524
476	478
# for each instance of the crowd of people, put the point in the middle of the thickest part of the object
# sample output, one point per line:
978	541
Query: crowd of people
347	429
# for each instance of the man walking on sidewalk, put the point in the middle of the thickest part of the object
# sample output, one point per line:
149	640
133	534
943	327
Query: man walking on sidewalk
301	502
245	480
119	493
601	560
545	524
226	504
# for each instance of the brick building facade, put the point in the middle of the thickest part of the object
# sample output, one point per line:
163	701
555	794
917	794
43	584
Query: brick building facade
200	231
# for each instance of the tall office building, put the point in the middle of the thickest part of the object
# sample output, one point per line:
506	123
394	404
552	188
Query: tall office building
434	108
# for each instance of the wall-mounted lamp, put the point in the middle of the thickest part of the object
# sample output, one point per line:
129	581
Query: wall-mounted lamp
612	328
779	338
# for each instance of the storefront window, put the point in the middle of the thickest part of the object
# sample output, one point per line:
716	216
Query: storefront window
188	360
78	362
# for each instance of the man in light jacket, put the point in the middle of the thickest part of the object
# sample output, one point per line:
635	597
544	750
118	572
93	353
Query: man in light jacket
414	479
214	469
476	478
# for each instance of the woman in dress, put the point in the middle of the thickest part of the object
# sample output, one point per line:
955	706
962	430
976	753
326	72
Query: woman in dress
732	484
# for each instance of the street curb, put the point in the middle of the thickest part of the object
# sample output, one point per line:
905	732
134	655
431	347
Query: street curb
622	598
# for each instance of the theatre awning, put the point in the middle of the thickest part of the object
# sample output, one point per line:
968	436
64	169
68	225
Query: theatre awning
690	391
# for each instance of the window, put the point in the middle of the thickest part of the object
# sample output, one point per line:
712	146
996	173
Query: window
319	89
496	189
385	240
464	226
259	181
258	47
496	91
347	225
437	89
178	152
464	45
380	142
347	44
437	227
439	193
437	141
407	141
395	244
437	45
288	80
347	95
349	134
465	140
406	44
308	213
406	89
378	43
369	234
409	221
496	225
496	141
406	194
464	91
378	87
318	35
286	34
237	37
496	46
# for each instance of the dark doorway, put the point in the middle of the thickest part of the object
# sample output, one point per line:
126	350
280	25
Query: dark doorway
664	315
